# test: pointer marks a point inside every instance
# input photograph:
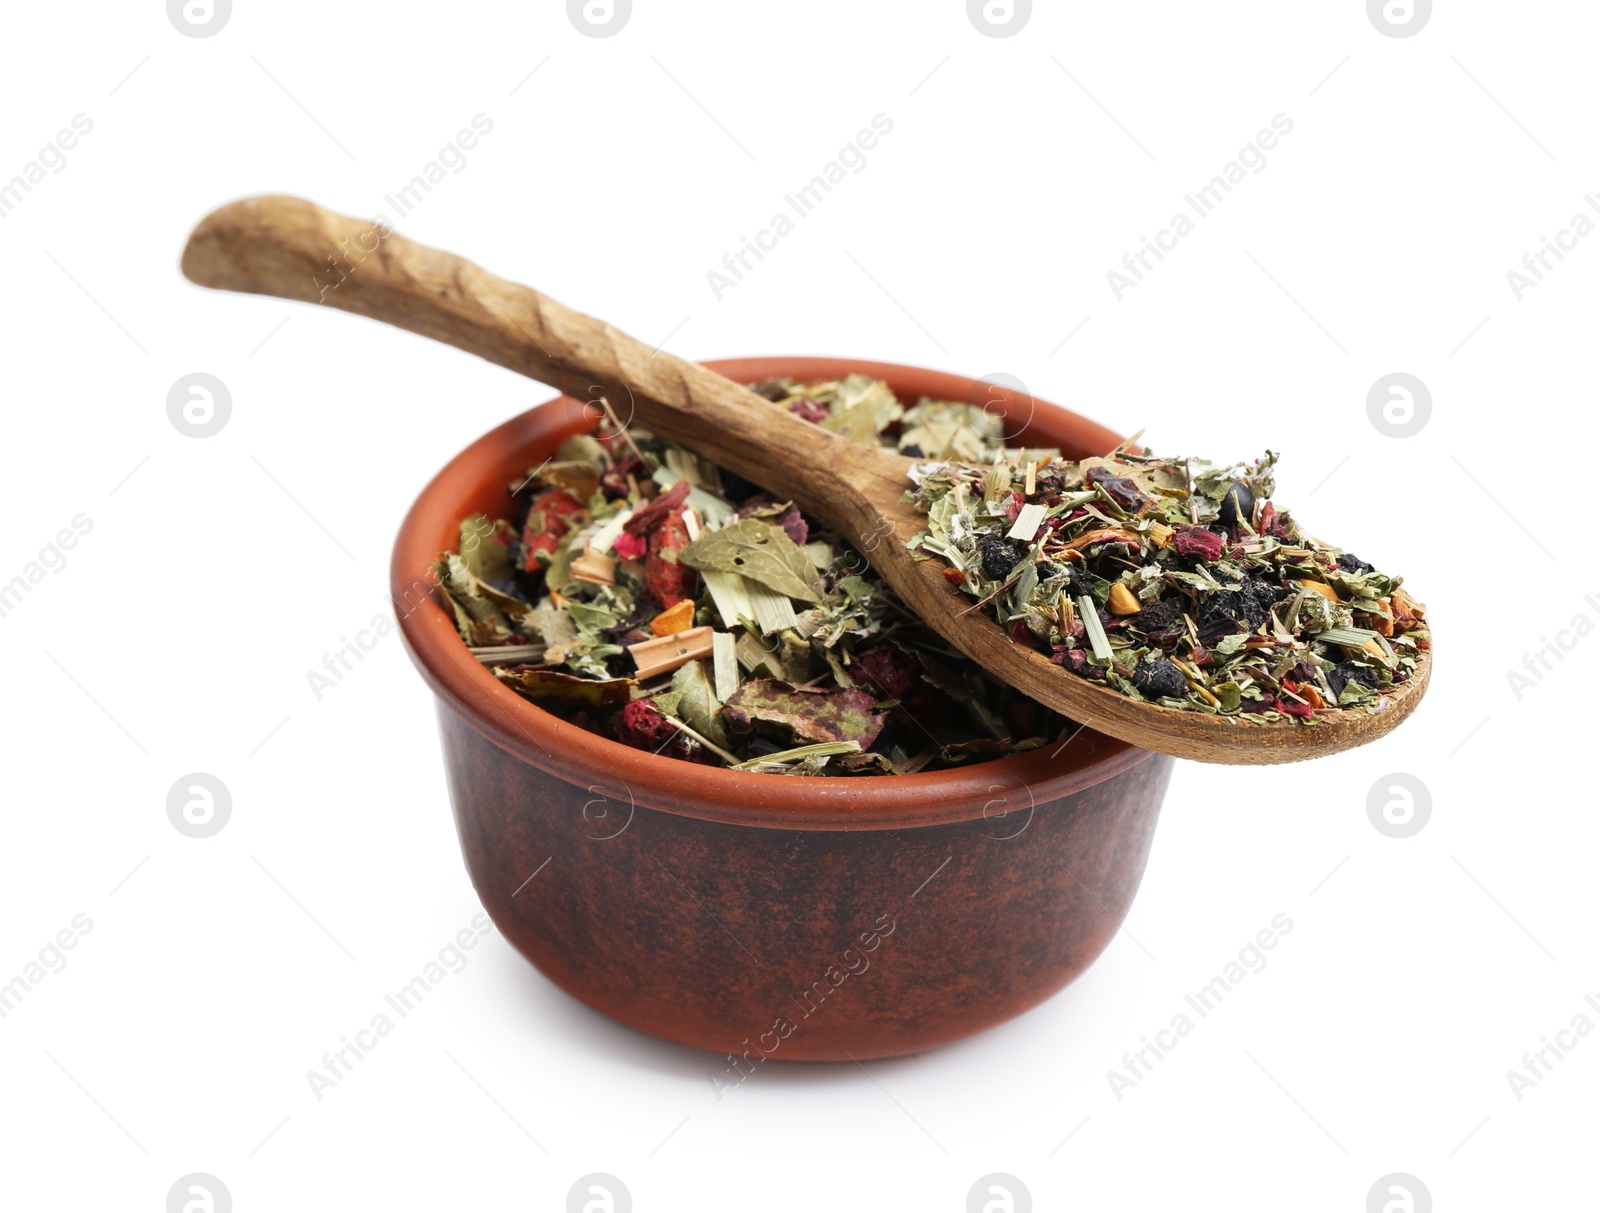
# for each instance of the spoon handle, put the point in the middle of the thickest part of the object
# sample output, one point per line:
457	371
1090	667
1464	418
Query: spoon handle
294	249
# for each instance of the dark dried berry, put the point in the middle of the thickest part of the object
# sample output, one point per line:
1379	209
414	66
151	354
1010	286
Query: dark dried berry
1238	504
1264	593
1347	672
998	556
1364	674
736	488
1159	679
1119	488
1240	606
1156	616
1353	564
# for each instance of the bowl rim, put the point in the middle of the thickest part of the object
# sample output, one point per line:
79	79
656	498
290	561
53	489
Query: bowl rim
610	770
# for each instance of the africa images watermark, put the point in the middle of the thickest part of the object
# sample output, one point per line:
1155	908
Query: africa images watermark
1539	1064
340	663
811	1002
452	158
51	959
1536	265
1540	663
338	1064
1205	200
803	201
1139	1064
52	558
52	156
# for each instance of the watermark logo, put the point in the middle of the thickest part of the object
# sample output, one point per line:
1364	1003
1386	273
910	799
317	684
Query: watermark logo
1013	403
1399	1193
1006	814
199	18
199	405
199	1193
1399	405
609	403
1399	805
199	805
599	18
999	18
999	1193
1399	18
605	815
599	1193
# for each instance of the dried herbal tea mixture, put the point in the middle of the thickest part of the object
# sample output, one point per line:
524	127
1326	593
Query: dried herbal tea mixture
1173	581
648	596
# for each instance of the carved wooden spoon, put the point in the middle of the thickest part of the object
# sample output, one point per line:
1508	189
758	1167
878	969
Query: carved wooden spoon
274	245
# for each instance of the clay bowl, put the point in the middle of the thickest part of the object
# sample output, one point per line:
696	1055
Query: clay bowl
760	915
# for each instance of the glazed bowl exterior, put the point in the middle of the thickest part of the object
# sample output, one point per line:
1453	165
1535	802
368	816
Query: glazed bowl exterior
766	916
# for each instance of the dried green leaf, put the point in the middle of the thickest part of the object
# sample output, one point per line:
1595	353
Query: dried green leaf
759	551
549	684
484	615
803	714
696	703
485	547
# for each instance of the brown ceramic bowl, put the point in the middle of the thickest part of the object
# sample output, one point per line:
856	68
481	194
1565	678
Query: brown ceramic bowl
790	918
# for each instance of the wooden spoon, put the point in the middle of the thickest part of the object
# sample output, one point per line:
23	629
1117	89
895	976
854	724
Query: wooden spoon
275	245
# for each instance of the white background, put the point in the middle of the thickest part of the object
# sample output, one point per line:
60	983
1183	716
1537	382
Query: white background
1019	171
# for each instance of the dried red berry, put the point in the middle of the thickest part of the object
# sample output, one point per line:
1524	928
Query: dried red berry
551	515
808	410
1119	488
1290	707
658	507
889	672
644	727
631	547
1197	541
665	578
